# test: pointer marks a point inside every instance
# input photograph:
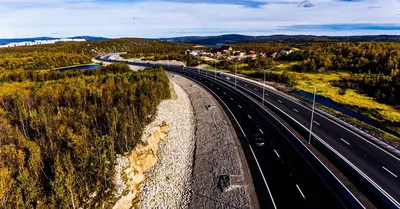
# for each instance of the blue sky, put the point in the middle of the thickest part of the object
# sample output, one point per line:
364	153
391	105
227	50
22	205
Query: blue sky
168	18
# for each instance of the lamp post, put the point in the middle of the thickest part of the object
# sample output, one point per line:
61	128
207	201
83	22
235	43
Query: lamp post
235	75
313	109
215	69
312	115
263	88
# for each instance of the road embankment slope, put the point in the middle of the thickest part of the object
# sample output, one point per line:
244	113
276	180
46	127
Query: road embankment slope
217	156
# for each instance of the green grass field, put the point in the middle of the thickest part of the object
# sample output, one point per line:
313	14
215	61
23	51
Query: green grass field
349	98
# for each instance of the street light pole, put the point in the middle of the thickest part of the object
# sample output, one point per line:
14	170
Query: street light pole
312	115
235	75
264	88
215	69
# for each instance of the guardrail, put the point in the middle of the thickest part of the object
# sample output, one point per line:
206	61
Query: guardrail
357	176
349	125
340	190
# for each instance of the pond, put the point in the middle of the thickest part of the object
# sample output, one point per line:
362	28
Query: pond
329	103
83	67
213	44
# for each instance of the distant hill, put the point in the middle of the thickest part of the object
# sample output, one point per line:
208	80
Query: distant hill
237	38
13	40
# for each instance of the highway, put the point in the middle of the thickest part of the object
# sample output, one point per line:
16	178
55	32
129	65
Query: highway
381	167
283	178
373	170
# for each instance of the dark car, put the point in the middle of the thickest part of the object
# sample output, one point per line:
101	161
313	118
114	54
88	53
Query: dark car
259	140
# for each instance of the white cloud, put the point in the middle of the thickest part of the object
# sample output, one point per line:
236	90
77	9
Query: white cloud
164	19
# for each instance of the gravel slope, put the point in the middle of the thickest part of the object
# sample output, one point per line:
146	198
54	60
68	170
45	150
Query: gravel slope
218	155
168	183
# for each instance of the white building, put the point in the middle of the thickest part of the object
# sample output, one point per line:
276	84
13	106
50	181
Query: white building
196	52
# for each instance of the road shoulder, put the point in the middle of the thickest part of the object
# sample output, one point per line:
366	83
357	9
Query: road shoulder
218	155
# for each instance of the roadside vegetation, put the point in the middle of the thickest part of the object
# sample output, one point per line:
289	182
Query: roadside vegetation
364	76
60	132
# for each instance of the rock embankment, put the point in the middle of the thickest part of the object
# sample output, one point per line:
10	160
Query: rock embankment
158	173
168	183
192	160
221	177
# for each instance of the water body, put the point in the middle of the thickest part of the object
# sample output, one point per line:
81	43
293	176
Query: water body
212	45
85	67
329	103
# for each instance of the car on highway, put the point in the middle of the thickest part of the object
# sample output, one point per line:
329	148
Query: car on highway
227	78
259	140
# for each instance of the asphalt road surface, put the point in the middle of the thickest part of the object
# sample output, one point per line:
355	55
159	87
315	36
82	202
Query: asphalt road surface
283	177
380	166
368	165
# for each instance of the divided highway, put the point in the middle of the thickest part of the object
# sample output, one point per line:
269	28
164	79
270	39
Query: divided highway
287	174
377	168
283	177
380	168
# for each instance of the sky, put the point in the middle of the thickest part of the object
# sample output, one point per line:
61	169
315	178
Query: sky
171	18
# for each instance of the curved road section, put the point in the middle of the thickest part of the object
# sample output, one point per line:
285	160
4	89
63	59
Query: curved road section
288	175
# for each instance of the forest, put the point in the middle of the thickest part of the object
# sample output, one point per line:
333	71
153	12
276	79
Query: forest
60	131
374	66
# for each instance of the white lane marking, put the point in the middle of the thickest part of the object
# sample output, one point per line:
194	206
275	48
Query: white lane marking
389	171
311	152
320	114
267	94
224	92
206	81
231	98
279	101
300	191
249	116
218	88
316	122
277	154
261	131
240	106
345	141
255	89
316	156
327	118
251	149
211	84
295	110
